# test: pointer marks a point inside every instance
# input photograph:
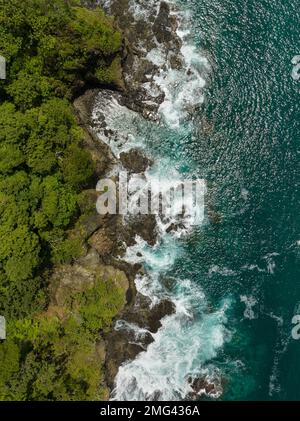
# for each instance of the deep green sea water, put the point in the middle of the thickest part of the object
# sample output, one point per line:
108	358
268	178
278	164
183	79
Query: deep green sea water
247	148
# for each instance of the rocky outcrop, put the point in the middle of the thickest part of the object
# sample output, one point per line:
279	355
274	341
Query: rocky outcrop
135	161
140	315
99	151
157	28
126	343
81	276
205	385
102	242
108	236
164	25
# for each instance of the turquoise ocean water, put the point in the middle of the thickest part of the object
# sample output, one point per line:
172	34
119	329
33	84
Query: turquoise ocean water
235	279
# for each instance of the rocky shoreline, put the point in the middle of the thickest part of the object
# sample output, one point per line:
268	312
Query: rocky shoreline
107	237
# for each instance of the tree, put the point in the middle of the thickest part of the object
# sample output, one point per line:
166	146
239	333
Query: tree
77	167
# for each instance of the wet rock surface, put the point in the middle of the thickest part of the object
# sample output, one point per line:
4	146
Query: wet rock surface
142	316
210	386
135	161
164	25
155	29
100	152
140	321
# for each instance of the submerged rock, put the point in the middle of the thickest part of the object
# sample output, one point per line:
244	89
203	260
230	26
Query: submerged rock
206	385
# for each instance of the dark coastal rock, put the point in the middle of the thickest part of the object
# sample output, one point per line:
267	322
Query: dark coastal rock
99	151
122	344
147	317
162	27
91	223
205	386
110	235
102	241
145	227
176	62
135	161
142	36
118	350
175	227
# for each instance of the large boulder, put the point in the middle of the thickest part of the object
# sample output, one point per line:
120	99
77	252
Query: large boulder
102	242
83	275
162	27
135	161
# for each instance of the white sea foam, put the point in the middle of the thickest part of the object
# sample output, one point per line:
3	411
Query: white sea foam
281	347
278	319
139	334
250	302
253	267
224	271
143	10
183	88
116	125
180	349
271	265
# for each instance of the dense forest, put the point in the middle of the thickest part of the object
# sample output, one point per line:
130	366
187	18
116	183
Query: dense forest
53	49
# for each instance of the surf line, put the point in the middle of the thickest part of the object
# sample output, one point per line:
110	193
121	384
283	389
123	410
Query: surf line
111	411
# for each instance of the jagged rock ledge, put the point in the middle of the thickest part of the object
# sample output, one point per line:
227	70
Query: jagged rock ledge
107	237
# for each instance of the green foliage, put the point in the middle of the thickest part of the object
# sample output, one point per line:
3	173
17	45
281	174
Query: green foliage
41	169
22	299
70	248
111	74
97	30
107	298
11	157
76	166
9	363
52	48
60	357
